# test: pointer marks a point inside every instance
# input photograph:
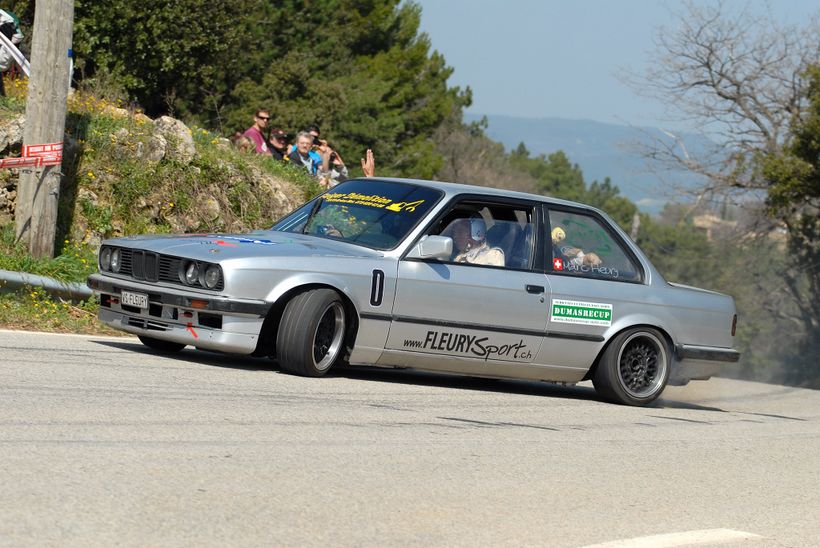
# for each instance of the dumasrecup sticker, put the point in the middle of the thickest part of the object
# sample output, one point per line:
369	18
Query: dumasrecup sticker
578	312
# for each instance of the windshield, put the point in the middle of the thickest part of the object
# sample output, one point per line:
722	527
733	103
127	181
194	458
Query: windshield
372	213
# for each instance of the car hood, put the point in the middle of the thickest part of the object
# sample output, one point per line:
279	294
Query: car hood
218	247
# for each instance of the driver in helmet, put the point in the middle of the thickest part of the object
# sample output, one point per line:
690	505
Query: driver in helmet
469	239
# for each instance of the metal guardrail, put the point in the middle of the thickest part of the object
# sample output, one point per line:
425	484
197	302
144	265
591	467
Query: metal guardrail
12	281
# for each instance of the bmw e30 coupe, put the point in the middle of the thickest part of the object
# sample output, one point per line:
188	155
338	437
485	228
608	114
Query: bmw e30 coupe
433	276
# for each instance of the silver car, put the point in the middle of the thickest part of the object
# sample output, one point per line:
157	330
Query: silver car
425	275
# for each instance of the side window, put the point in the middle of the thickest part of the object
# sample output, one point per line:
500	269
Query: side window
488	234
581	246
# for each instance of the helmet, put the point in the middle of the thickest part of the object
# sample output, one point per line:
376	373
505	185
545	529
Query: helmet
478	229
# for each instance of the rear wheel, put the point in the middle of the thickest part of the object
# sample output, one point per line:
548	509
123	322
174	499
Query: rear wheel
162	346
634	368
311	334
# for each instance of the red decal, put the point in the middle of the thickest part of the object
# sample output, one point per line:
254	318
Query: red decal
226	244
558	264
191	329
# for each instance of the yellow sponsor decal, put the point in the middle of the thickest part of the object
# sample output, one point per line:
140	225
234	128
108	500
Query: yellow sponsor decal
405	206
378	202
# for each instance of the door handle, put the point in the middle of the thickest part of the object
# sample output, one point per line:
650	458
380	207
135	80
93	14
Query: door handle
535	289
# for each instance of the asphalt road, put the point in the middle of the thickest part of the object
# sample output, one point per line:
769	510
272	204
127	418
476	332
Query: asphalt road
103	442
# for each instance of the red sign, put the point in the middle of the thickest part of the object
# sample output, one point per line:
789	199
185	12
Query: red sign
557	264
51	153
21	162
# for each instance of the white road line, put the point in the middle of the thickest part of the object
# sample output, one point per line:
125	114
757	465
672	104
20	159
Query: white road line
684	538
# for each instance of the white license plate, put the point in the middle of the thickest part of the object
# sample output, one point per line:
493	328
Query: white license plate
140	300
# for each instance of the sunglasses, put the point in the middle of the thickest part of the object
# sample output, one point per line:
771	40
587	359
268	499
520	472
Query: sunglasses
264	117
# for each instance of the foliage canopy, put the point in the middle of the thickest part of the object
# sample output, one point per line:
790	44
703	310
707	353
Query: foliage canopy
359	69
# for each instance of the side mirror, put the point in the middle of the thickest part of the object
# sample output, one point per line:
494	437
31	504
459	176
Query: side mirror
432	247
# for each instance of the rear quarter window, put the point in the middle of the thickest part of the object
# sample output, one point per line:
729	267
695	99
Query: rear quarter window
582	246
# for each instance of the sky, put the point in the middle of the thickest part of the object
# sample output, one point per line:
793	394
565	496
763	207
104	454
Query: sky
562	58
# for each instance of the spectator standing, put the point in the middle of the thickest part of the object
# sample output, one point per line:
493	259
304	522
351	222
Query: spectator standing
314	131
10	27
332	170
278	144
258	131
300	155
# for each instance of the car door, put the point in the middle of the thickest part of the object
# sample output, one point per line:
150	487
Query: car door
463	312
594	279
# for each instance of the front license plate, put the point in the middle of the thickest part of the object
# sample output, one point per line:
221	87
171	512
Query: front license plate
140	300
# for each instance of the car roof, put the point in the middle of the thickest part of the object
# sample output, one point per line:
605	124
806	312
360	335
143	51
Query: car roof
460	188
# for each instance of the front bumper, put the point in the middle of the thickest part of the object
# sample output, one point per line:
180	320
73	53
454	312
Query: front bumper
201	320
200	337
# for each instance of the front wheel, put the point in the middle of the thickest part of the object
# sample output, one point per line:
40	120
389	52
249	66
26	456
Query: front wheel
162	346
634	368
311	334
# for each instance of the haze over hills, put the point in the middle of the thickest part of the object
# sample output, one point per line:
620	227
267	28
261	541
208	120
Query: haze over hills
601	150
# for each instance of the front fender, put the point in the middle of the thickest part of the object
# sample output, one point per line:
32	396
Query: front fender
309	278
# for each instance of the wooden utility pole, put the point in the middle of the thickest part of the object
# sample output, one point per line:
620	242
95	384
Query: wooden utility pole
38	191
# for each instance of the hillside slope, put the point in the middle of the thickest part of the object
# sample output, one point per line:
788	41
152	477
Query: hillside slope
126	174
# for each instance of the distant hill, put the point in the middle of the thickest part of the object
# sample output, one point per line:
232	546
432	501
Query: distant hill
601	150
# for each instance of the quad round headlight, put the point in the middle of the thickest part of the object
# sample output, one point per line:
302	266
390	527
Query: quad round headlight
212	275
116	260
192	273
105	258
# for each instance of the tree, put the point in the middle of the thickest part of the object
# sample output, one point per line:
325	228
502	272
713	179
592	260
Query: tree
793	176
181	57
744	81
472	157
362	72
555	175
607	197
737	77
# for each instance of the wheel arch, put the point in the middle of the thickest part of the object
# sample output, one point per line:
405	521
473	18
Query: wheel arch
266	346
664	332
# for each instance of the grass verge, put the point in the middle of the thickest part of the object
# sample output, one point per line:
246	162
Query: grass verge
31	308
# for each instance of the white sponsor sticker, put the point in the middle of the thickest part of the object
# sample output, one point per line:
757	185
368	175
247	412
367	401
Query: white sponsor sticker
581	313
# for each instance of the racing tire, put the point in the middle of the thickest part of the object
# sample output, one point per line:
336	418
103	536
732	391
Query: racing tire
161	346
311	333
634	368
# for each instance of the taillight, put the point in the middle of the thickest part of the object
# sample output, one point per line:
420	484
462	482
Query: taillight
734	324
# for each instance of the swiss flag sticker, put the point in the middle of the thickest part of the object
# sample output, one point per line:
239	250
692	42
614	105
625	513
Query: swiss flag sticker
557	264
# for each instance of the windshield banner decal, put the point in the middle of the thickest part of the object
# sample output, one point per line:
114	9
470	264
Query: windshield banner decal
377	202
